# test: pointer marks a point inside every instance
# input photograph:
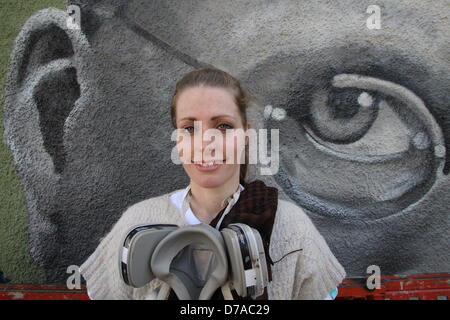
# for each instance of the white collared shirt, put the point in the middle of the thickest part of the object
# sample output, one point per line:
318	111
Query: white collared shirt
182	199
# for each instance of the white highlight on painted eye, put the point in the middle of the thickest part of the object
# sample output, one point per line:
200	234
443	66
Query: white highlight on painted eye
277	114
365	100
421	141
267	111
439	151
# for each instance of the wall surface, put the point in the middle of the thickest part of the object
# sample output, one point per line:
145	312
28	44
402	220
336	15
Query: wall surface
363	116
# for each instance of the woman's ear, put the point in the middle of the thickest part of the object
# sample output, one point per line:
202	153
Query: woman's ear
41	89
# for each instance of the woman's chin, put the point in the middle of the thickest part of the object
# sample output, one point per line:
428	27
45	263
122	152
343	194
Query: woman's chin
213	178
209	182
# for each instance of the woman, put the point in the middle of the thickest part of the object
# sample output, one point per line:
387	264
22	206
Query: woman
301	266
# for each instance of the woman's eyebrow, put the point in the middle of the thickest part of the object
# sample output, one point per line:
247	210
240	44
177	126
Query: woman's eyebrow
213	118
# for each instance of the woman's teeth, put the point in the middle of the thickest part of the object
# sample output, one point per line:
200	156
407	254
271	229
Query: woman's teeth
207	164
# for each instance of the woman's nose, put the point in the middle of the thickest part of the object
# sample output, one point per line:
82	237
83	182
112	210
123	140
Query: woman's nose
211	143
203	143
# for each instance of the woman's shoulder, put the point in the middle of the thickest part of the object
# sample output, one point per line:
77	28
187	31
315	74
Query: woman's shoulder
292	217
153	210
156	205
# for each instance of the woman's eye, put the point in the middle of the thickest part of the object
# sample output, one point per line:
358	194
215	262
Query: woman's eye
225	126
189	129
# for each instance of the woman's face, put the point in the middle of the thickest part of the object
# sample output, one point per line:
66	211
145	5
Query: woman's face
213	108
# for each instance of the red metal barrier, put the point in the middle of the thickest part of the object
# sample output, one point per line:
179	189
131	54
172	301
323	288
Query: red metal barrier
41	292
434	286
413	287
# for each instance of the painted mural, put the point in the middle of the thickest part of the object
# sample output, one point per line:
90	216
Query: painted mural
358	90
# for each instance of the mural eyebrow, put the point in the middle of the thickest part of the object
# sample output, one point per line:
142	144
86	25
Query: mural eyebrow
140	31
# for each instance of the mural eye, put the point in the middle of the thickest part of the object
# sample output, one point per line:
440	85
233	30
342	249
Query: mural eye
343	115
367	148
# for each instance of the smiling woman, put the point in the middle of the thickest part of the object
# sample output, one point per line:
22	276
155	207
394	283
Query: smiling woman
277	253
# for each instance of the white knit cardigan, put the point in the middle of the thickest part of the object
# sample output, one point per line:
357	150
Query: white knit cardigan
309	273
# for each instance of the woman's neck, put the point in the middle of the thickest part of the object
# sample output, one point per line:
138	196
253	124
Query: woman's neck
206	203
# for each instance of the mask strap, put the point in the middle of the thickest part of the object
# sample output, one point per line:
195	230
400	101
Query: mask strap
226	291
164	291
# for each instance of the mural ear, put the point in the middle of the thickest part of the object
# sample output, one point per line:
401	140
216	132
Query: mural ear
41	90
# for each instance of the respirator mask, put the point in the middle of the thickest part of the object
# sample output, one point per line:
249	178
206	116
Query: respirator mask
195	260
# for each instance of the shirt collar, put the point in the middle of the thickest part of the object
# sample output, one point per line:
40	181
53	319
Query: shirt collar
187	196
231	200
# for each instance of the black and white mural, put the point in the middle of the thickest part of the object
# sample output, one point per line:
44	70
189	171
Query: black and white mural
359	91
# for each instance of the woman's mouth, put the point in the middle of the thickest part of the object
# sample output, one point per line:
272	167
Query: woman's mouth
211	166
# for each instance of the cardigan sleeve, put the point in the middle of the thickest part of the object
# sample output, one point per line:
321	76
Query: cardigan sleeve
318	270
306	267
101	269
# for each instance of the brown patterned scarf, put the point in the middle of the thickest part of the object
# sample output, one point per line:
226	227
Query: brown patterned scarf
256	207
